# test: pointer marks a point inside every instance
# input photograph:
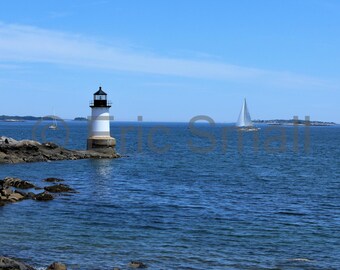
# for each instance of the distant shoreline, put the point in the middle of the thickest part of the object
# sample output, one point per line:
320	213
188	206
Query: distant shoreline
16	118
9	118
294	122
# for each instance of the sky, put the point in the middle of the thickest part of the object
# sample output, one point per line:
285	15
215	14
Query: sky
171	60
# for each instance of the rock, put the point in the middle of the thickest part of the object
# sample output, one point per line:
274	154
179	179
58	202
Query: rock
7	140
29	143
1	203
50	145
116	268
24	194
11	264
44	196
6	192
57	266
59	188
15	197
24	185
12	151
17	182
136	264
53	180
30	195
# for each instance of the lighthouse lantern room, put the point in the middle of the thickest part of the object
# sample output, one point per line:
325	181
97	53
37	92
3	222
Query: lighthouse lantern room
100	99
99	133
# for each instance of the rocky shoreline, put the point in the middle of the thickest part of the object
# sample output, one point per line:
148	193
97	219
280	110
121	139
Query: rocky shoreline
7	263
13	151
13	190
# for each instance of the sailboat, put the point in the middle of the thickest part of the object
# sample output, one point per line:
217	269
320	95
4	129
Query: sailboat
54	125
244	122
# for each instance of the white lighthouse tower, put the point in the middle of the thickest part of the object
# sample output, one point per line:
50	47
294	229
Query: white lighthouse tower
99	133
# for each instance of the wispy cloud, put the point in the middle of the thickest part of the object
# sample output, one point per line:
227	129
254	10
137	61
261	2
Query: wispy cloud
19	43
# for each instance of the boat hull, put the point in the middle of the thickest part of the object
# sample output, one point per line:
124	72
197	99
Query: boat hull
248	129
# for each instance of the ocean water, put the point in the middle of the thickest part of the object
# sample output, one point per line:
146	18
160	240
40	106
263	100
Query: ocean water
182	198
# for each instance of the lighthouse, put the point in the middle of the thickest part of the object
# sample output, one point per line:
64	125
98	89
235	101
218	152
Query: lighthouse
99	125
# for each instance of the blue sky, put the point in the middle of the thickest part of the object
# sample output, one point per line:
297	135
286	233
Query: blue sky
171	60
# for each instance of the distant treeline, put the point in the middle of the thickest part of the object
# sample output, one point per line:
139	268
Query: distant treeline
20	118
80	119
293	121
33	118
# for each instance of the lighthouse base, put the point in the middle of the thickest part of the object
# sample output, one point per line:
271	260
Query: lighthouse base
101	143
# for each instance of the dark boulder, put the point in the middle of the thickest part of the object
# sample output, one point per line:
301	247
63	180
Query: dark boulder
53	180
57	266
59	188
30	195
50	145
44	196
11	264
21	193
137	264
17	183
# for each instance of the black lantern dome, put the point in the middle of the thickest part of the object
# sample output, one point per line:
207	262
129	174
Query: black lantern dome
100	99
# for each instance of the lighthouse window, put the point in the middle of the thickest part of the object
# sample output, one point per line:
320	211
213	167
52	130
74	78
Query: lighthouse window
99	97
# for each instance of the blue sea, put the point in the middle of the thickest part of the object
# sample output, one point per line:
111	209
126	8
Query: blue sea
182	197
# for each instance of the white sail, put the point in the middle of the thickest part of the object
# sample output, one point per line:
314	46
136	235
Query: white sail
54	126
244	119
